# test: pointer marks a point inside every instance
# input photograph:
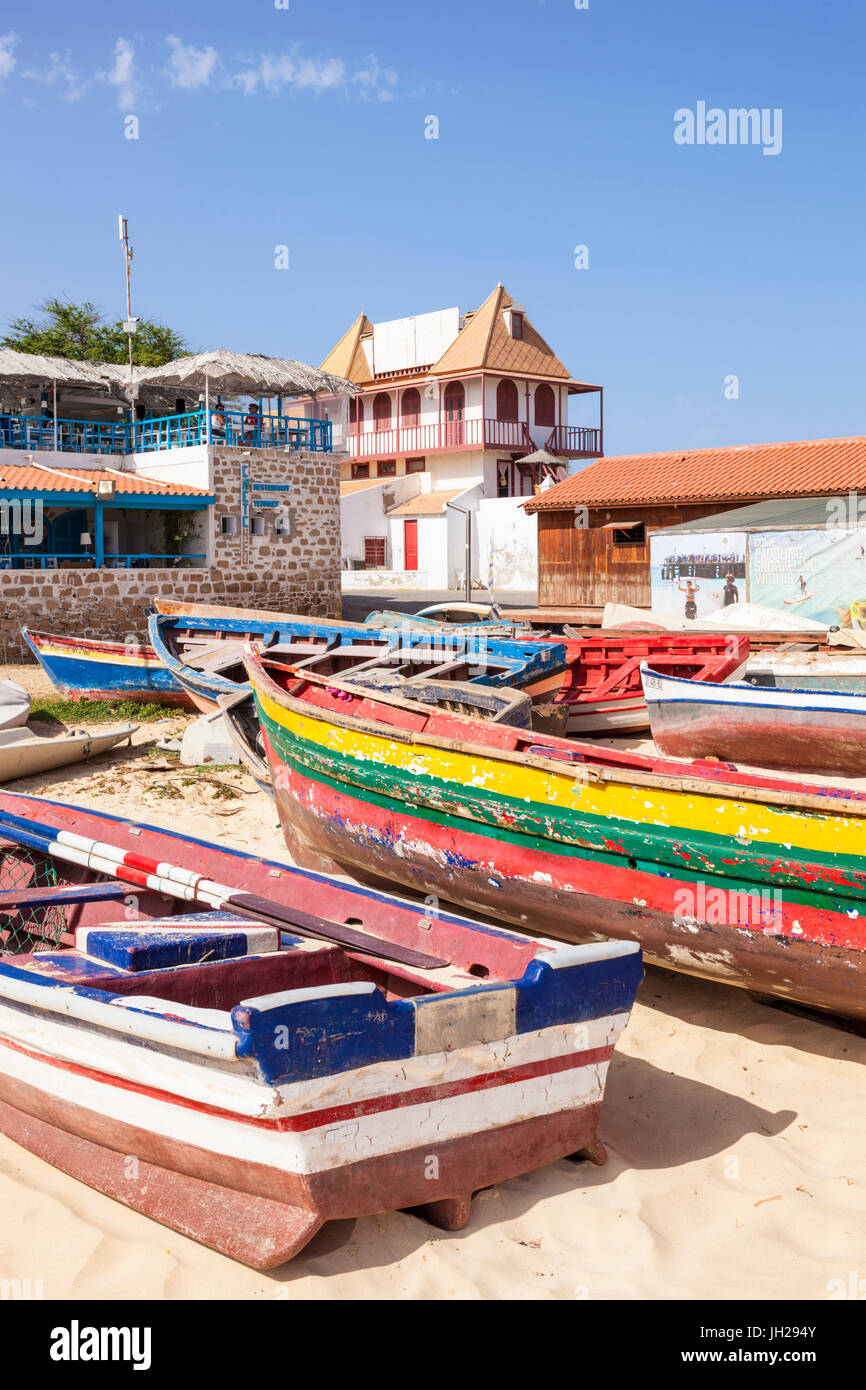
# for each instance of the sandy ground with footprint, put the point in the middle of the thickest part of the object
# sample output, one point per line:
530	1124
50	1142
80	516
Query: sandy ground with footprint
736	1142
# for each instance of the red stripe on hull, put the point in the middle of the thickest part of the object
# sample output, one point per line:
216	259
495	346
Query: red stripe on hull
574	898
264	1216
335	1114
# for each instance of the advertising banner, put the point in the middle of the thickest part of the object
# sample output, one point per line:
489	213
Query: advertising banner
694	573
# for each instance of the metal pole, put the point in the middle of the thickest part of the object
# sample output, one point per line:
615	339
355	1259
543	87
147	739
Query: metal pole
55	414
123	229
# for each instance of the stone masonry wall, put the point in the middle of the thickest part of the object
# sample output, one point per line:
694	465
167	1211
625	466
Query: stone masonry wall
299	573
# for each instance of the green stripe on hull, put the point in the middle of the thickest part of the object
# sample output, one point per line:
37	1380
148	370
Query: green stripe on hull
442	804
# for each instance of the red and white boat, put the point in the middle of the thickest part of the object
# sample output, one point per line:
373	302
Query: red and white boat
601	691
243	1071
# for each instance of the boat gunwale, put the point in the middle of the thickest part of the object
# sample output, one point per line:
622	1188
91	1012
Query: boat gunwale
791	796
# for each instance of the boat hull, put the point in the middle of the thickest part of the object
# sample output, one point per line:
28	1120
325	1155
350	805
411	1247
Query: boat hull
764	889
575	899
85	669
778	726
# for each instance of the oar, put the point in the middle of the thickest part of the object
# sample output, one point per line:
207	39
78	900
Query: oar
175	881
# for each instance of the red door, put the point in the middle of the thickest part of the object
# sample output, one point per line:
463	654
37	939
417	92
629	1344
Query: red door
410	545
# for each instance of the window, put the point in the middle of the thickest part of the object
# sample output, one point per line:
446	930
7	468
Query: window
416	465
382	411
374	552
360	470
410	408
503	477
455	400
356	414
516	325
630	535
506	401
386	468
545	406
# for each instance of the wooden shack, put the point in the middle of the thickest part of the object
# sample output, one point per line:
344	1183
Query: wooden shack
593	528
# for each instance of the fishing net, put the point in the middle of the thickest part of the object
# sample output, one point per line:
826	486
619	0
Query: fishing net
28	928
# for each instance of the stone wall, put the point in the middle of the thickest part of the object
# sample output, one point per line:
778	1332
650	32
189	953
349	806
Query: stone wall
298	573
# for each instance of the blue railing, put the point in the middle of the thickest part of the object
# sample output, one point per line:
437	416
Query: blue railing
238	428
54	559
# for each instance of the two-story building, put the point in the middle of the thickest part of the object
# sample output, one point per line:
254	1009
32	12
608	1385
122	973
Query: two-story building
450	408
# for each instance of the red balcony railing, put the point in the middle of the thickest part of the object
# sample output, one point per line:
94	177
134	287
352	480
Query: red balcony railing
448	435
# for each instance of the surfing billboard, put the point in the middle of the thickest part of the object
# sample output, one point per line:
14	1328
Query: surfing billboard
817	574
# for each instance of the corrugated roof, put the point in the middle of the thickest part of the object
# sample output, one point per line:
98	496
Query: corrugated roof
426	503
26	478
778	514
746	472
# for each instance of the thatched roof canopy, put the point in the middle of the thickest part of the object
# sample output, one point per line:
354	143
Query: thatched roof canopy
238	373
30	369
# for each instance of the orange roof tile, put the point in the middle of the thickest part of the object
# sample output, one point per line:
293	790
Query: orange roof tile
26	478
741	473
348	359
486	342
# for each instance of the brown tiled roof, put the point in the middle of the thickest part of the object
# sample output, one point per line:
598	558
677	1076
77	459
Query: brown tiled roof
26	478
348	359
486	342
742	473
425	504
483	343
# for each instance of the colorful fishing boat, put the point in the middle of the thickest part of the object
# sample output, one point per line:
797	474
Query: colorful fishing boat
203	651
745	878
271	1069
600	691
785	721
86	669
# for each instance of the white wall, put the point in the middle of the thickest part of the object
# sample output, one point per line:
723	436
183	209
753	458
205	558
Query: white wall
363	513
507	544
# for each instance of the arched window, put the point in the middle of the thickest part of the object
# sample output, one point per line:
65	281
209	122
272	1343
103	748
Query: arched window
382	411
454	404
356	414
545	406
410	408
506	401
455	400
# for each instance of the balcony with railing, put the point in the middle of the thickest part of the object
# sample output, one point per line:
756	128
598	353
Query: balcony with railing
447	436
221	426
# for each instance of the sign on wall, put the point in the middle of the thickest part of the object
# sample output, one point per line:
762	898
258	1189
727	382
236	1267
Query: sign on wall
694	573
816	574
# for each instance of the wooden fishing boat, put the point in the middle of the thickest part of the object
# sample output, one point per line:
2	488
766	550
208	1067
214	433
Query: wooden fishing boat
15	704
796	727
600	691
749	879
24	754
86	669
266	1074
204	651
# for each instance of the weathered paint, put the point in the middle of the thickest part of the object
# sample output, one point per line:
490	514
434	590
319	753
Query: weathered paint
104	670
613	844
389	1093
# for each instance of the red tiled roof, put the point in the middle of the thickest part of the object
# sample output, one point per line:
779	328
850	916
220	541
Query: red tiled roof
26	478
743	473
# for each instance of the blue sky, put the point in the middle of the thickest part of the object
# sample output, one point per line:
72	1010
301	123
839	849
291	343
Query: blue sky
305	127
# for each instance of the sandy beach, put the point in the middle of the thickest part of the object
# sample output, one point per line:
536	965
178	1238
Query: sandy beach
736	1149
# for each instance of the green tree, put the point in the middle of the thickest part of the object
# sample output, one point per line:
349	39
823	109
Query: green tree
80	331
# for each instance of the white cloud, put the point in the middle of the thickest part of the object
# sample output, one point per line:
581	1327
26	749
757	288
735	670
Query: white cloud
275	71
122	75
376	81
60	72
7	62
189	67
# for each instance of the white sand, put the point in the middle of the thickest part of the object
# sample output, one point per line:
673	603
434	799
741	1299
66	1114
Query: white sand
736	1140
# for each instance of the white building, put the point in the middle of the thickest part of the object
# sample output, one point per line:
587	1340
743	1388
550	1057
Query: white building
449	406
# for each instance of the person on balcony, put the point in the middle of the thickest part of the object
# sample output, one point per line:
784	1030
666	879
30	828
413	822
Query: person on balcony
218	423
252	422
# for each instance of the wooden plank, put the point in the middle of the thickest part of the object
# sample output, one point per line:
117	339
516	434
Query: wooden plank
58	895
